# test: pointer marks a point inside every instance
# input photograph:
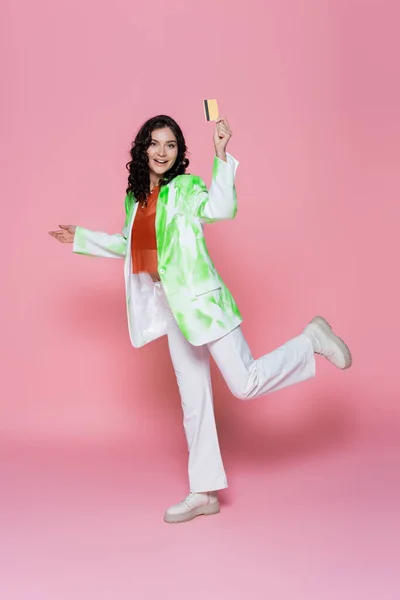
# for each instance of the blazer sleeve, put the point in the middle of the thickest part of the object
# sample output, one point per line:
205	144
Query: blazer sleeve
220	201
101	244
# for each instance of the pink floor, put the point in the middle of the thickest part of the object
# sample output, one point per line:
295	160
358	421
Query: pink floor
87	523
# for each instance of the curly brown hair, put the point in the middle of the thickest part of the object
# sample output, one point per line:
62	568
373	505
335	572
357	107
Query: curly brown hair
138	167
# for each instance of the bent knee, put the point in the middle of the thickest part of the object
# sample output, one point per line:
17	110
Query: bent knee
244	390
243	387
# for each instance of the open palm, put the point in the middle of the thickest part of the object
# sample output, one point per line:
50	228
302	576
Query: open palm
65	234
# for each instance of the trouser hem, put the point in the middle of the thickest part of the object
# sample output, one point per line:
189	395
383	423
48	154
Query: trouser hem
197	489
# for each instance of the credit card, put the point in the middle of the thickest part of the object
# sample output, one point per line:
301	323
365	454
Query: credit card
211	110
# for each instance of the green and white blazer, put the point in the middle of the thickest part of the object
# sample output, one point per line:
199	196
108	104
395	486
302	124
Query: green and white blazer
200	301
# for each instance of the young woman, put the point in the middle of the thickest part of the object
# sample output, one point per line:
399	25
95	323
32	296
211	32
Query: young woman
173	289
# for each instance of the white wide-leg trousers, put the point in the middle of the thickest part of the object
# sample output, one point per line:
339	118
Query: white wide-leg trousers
246	378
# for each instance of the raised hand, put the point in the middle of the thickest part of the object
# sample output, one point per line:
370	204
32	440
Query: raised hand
65	235
222	135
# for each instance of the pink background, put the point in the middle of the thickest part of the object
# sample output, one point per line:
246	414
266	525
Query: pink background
92	445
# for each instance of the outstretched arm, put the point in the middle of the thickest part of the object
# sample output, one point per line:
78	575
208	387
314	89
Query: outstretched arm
97	243
220	201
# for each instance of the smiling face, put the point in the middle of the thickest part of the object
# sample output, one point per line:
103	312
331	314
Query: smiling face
162	152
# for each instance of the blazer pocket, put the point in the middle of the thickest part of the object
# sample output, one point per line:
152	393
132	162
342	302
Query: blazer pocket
210	285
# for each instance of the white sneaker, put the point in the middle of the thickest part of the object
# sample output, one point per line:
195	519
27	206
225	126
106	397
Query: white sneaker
194	505
326	343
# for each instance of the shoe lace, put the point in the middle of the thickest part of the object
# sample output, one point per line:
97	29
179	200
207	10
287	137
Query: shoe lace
189	496
317	345
326	353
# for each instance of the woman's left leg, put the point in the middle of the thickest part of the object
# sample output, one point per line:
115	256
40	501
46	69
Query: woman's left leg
248	378
291	363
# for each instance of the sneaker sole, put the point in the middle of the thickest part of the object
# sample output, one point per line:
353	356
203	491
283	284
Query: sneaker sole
348	359
196	512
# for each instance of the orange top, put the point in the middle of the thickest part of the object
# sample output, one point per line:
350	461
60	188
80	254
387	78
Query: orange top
143	239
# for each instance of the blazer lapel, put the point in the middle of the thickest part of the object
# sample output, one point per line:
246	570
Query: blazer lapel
162	209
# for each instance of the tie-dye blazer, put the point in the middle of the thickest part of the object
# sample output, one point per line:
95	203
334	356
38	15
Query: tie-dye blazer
200	301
